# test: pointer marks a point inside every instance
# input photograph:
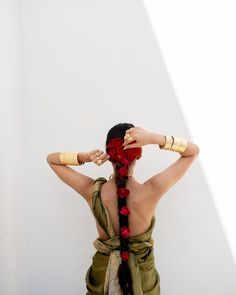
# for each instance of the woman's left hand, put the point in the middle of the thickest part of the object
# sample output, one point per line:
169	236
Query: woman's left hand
94	156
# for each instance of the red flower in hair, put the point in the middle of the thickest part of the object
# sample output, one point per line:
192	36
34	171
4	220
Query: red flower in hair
122	192
125	231
124	255
125	210
114	142
132	153
117	153
125	161
123	171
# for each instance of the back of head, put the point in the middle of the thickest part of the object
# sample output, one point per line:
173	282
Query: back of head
122	159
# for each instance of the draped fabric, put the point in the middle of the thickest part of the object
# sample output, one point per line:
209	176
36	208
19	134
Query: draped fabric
101	277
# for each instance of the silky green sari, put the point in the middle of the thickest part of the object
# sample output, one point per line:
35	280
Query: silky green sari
101	277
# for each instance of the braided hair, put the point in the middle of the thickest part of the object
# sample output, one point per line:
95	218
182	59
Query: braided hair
122	159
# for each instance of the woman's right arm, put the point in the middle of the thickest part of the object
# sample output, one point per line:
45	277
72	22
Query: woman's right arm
191	150
161	182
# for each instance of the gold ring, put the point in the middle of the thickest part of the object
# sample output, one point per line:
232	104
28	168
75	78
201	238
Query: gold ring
128	136
99	162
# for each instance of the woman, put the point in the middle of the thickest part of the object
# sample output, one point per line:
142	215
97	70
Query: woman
124	209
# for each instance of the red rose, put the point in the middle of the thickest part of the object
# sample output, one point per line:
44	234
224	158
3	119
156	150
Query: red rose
112	154
125	231
115	149
123	171
117	153
125	210
124	255
133	153
122	192
125	161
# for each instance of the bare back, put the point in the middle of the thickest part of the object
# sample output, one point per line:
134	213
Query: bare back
141	208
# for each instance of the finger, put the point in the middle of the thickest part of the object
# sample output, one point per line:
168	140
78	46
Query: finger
103	156
106	158
99	153
130	131
133	145
133	134
133	129
96	155
95	151
128	141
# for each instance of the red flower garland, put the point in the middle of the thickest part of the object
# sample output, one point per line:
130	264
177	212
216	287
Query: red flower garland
125	210
122	192
124	255
125	231
116	151
123	171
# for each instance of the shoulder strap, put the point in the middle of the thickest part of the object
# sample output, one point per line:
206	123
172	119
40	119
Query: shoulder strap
98	183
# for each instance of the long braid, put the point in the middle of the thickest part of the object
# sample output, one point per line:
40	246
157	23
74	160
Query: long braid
124	274
122	160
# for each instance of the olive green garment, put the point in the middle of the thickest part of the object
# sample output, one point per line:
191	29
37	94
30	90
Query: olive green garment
146	279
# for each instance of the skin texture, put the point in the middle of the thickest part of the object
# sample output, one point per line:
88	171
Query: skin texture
144	197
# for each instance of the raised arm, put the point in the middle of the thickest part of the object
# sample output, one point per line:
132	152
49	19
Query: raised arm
80	182
161	182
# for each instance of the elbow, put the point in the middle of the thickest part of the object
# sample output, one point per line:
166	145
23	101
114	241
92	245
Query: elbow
48	159
197	150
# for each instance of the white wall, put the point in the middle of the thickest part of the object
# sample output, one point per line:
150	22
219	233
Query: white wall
199	51
12	224
85	66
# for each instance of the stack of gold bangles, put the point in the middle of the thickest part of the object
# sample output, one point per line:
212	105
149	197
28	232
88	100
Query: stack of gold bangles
175	144
70	158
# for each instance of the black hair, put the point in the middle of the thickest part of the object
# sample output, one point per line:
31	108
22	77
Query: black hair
124	273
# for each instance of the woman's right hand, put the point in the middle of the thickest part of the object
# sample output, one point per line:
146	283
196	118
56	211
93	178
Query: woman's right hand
139	135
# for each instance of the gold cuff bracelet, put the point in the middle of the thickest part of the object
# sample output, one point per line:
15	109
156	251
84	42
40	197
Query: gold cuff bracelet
175	144
69	158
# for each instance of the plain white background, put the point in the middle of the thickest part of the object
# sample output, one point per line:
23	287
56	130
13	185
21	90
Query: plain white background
199	52
70	71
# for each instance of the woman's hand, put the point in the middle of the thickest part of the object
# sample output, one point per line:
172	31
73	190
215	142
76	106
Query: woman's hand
92	156
139	135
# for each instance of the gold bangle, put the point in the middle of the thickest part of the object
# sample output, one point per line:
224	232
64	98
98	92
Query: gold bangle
168	142
175	144
69	158
183	146
179	145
